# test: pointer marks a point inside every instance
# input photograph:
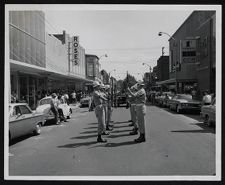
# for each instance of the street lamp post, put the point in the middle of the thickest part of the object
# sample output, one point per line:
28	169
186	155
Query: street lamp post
171	37
150	70
105	55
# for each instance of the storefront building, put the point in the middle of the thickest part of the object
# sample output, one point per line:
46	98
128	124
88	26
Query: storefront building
39	62
192	53
92	70
65	74
104	77
27	54
163	68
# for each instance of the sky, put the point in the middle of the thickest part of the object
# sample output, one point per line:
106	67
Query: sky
129	36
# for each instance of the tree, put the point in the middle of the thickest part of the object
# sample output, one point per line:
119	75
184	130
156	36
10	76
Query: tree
126	82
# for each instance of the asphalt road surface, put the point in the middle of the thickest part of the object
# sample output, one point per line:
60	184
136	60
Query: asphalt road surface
176	144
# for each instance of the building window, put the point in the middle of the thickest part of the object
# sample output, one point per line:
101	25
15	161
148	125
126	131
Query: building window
90	68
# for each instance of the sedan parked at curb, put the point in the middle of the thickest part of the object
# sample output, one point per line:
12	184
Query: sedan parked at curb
22	120
208	113
182	102
44	106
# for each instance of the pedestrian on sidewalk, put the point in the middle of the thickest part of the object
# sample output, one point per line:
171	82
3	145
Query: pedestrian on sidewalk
133	111
207	98
140	96
66	98
99	111
73	97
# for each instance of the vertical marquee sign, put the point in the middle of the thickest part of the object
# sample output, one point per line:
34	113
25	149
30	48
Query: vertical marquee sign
75	52
188	49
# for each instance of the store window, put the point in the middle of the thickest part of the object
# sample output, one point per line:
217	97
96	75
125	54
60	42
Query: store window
23	89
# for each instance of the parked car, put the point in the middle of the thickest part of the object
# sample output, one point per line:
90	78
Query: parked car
162	99
208	113
157	97
167	99
44	106
84	102
22	120
182	102
121	100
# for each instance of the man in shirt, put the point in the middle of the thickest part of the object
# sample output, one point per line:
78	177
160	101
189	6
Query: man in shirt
207	98
73	97
140	96
98	99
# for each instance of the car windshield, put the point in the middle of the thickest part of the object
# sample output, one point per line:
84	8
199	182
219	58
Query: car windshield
45	101
184	96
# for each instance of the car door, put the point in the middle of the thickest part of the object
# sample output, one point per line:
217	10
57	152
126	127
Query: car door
28	118
173	102
16	123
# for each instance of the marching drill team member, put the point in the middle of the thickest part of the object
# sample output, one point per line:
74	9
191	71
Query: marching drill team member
140	96
109	107
133	113
105	105
99	111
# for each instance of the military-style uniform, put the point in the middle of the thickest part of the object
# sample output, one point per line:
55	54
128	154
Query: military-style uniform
109	107
140	108
104	103
99	111
133	111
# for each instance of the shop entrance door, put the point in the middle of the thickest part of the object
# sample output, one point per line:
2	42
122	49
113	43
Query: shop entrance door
32	92
23	89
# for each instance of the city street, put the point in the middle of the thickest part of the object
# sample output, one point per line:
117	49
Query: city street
177	144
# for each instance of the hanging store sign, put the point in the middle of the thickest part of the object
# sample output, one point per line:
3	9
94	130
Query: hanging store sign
188	51
75	51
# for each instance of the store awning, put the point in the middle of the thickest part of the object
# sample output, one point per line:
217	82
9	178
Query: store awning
173	80
22	67
169	81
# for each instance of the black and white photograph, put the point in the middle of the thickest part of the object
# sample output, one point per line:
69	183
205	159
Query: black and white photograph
112	92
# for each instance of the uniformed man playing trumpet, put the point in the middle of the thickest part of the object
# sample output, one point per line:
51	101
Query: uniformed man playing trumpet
140	96
133	112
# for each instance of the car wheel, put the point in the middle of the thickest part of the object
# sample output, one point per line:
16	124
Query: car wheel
56	121
37	130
